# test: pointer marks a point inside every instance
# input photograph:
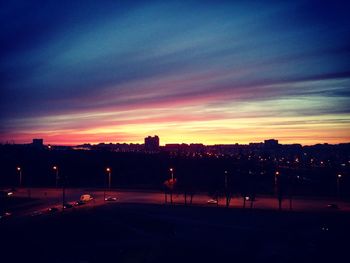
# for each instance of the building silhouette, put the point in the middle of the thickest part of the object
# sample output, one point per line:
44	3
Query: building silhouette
152	143
271	144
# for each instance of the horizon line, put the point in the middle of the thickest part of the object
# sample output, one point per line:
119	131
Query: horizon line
179	143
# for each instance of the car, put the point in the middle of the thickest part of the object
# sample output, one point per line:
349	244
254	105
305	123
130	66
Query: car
9	191
332	206
212	201
67	206
6	193
79	203
86	197
5	215
110	198
324	228
52	210
36	213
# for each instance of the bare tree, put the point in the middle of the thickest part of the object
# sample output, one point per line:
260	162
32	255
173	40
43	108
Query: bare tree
170	185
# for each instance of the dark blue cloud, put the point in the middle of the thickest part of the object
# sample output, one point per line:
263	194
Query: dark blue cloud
65	56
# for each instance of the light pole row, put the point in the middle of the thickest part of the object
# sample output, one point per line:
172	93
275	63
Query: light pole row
55	168
171	170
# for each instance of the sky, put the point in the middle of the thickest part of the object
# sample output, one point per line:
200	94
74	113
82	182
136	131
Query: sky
212	72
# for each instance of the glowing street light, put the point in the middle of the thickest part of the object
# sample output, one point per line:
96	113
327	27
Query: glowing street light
278	189
19	170
109	171
171	170
171	184
339	176
55	168
277	173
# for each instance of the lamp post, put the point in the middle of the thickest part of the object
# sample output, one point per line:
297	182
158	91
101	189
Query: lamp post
19	170
109	171
55	168
278	189
171	170
226	191
277	173
63	192
339	176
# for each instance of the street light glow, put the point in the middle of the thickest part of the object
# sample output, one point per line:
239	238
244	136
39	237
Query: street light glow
55	167
339	175
18	168
109	171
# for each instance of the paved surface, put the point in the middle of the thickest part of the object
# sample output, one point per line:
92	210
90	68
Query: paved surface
49	197
121	232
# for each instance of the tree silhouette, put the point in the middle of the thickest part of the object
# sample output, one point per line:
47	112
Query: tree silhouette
170	185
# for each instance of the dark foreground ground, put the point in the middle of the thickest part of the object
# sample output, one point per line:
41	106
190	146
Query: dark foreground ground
154	233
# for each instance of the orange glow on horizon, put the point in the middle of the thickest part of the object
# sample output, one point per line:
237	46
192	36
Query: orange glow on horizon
245	137
195	124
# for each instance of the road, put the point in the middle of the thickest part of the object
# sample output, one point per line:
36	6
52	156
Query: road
50	197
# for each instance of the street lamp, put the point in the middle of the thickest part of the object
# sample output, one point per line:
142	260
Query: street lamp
226	190
171	170
339	176
19	170
277	173
63	182
109	171
55	168
278	189
171	184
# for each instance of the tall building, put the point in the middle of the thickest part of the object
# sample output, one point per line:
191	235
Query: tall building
272	143
152	143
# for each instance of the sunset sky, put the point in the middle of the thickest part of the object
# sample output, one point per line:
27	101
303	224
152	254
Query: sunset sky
212	72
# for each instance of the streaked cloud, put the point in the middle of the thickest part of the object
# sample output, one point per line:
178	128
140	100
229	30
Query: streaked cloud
187	71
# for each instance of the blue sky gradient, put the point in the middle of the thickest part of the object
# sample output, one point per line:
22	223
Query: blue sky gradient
189	71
